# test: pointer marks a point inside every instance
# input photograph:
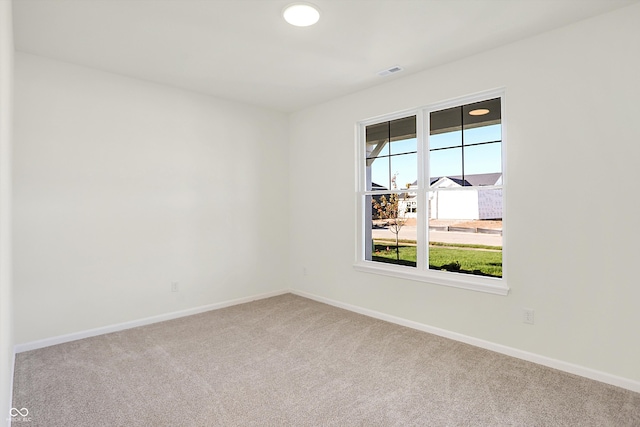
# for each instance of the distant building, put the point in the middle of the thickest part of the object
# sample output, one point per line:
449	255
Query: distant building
471	203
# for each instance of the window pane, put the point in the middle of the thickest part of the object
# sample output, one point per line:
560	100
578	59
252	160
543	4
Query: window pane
404	128
398	135
381	148
483	159
465	231
405	169
445	121
379	169
447	162
482	113
377	139
483	134
444	140
404	146
393	230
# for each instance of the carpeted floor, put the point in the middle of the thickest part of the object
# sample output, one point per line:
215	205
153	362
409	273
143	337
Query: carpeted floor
291	361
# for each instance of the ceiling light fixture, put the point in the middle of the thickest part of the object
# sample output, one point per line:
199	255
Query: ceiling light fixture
301	14
479	112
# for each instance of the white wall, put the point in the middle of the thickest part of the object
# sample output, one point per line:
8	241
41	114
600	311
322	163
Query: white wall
571	119
123	186
6	317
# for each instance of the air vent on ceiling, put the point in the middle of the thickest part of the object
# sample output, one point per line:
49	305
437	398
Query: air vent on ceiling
392	70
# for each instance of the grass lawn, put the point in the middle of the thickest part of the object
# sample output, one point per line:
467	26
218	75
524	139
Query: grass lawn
462	260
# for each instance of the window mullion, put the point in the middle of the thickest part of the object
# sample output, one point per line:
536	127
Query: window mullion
422	223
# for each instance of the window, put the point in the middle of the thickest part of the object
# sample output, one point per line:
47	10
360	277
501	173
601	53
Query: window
431	196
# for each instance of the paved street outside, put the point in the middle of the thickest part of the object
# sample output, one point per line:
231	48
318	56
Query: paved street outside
409	232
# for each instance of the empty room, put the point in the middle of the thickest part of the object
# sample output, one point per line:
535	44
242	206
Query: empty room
367	213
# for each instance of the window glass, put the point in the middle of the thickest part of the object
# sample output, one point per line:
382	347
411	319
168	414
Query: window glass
379	169
483	159
460	244
445	140
393	232
404	146
482	134
465	224
445	163
405	170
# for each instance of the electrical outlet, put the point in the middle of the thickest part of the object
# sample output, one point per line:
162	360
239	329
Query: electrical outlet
174	286
304	271
528	316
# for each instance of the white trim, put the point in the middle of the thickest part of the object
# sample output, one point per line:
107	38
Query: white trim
445	278
422	229
466	99
488	345
505	181
390	117
33	345
571	368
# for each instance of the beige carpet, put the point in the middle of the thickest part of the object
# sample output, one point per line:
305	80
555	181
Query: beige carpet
290	361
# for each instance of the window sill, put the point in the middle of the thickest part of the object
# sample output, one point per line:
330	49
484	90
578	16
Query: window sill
444	278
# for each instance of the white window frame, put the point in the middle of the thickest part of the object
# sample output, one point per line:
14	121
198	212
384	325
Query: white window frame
422	272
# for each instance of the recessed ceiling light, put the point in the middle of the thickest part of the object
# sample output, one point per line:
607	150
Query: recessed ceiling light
301	14
479	112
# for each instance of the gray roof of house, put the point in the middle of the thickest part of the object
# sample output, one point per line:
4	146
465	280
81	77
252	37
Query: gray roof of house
475	180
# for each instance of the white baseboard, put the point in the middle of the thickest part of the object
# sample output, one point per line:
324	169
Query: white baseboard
498	348
33	345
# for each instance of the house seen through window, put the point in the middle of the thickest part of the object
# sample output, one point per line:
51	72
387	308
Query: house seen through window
431	193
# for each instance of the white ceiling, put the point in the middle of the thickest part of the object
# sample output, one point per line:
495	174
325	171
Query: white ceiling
243	50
